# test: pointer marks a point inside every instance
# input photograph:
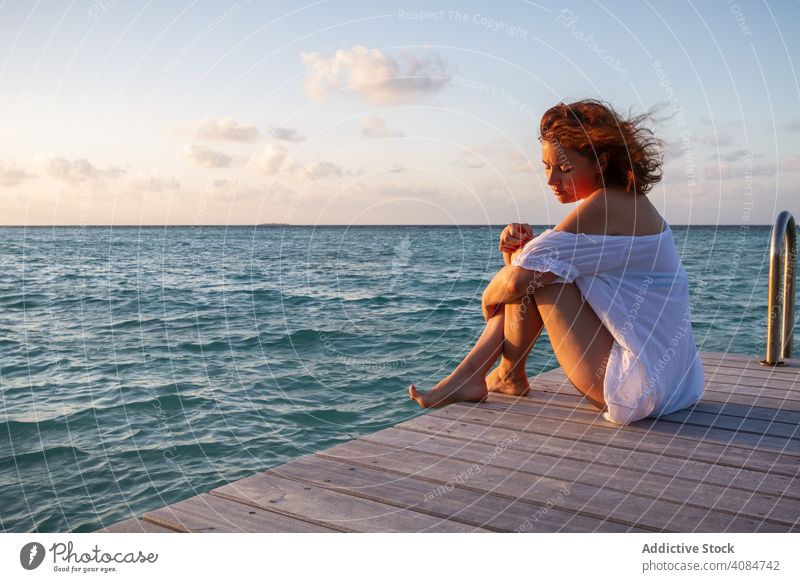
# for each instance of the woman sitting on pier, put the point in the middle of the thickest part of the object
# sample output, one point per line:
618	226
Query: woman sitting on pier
607	282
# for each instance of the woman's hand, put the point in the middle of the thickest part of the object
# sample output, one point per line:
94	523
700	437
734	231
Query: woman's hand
496	293
489	311
514	236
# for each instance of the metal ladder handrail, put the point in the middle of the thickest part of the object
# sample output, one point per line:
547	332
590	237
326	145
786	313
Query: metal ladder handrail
783	231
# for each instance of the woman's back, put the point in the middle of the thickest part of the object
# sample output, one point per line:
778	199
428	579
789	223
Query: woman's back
614	212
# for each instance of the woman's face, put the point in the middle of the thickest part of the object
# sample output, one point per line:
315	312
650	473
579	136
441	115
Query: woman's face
571	176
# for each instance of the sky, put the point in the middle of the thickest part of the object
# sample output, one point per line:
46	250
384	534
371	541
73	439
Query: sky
330	112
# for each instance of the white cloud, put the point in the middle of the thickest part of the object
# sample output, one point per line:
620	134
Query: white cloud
219	130
286	134
152	184
730	123
736	156
377	78
274	160
674	150
790	163
718	139
77	171
474	156
519	163
319	170
469	162
270	159
204	156
372	126
11	174
730	171
239	191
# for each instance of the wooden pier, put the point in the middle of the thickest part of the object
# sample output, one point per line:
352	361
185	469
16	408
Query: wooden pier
544	463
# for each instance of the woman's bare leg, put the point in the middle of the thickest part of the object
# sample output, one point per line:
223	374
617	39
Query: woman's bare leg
522	327
581	342
468	381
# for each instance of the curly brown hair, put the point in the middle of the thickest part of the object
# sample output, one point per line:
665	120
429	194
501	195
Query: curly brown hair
592	128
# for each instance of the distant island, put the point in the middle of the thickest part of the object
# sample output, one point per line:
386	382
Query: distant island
274	224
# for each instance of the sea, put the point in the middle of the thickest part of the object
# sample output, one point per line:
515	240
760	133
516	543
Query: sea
143	365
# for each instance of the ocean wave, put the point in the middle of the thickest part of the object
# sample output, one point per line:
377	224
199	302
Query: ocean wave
50	453
156	404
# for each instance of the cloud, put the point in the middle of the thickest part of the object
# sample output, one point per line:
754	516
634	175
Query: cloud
219	130
474	156
730	171
674	150
11	174
731	123
370	193
736	156
286	134
237	190
519	163
152	184
372	126
270	159
791	125
319	170
718	139
205	157
274	160
790	163
77	171
471	162
377	78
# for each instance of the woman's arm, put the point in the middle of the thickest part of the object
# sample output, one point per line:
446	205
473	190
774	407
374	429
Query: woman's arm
511	283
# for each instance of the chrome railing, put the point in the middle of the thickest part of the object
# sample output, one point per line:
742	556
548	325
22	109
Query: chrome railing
783	232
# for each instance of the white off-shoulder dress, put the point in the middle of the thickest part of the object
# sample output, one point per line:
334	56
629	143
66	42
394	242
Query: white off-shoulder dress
638	288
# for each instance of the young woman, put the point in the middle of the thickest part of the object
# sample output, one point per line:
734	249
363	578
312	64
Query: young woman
606	283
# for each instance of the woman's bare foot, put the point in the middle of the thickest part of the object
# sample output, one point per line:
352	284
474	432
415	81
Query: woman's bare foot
499	380
451	389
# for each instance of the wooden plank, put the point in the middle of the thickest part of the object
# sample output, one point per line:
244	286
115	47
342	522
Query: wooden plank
135	525
760	386
750	400
331	508
569	397
736	452
750	367
603	503
710	395
611	456
767	461
763	378
749	503
211	514
729	413
747	378
753	388
668	432
750	361
693	417
477	509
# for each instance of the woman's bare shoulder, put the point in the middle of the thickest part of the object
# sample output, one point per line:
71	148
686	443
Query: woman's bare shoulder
614	213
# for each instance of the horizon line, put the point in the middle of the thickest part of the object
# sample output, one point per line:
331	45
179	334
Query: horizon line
279	225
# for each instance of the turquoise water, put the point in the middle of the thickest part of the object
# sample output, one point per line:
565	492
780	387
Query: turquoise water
143	366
